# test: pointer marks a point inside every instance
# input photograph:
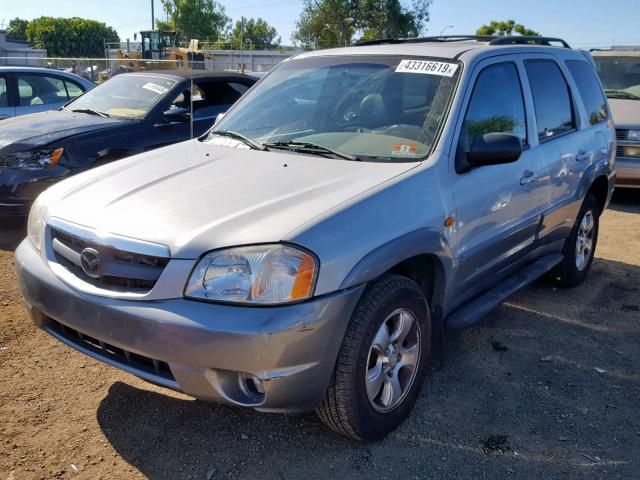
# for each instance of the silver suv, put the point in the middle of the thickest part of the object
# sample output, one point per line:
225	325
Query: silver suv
310	251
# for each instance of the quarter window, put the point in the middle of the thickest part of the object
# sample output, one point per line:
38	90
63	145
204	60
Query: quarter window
551	99
73	89
590	90
496	105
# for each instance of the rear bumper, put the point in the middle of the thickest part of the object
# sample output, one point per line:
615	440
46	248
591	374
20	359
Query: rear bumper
206	347
628	172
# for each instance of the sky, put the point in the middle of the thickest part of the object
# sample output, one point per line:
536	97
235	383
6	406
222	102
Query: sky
583	23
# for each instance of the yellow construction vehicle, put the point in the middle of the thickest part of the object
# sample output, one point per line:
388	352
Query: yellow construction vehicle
156	45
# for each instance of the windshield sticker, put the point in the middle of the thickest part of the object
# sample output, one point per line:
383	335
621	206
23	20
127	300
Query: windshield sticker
404	149
155	88
428	67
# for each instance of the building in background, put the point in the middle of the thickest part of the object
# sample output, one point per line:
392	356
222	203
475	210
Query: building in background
17	52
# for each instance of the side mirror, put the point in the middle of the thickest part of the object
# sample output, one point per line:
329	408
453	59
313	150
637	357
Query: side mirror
219	117
494	149
177	115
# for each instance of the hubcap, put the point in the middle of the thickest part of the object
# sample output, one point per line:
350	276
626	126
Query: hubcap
584	241
393	360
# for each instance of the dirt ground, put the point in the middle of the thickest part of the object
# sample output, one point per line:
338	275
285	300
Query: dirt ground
545	387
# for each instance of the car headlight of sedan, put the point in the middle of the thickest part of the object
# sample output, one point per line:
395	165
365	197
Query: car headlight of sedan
32	159
259	275
36	223
633	135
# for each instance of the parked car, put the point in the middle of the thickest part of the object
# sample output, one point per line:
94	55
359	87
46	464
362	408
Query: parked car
130	113
310	250
26	90
619	72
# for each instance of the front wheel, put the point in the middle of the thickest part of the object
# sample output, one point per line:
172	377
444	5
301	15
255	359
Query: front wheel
382	361
580	246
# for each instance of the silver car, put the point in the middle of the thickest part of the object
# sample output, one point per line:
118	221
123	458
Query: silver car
26	90
310	251
619	72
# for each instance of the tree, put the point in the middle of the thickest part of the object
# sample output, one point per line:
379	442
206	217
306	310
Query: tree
70	37
507	27
201	19
331	23
17	29
256	32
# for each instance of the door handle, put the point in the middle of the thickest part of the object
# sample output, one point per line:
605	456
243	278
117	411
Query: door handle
583	155
527	177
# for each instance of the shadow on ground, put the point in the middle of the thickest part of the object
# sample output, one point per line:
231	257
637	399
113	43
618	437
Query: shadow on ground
11	234
626	200
546	386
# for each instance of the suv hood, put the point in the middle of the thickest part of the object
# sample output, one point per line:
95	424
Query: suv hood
38	129
626	113
194	197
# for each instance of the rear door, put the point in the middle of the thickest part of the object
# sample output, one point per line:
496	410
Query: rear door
557	134
498	207
6	108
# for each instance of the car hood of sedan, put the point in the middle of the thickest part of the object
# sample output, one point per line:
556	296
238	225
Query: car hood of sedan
194	196
626	113
39	129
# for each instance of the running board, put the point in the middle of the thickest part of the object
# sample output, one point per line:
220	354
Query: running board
473	311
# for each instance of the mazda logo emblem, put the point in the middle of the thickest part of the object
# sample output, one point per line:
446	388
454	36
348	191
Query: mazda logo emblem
90	262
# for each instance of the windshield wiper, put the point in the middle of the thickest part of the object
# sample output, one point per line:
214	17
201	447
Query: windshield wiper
313	148
90	111
238	136
621	94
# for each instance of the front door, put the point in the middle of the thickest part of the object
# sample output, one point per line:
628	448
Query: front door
498	207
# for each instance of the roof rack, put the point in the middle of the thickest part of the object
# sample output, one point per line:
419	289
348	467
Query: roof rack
490	39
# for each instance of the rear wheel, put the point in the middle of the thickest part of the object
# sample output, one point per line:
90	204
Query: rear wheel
382	361
580	247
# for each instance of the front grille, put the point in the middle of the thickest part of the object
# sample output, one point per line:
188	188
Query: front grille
110	352
119	270
619	152
621	134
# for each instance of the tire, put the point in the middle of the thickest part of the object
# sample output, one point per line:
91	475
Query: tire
395	302
574	268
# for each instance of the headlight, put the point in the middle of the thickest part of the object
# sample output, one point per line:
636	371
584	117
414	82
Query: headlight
32	159
35	224
633	135
630	151
260	274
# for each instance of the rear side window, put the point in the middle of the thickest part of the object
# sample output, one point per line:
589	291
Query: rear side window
41	90
3	92
496	105
551	99
590	91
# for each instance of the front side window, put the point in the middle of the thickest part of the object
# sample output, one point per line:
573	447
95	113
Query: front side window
378	108
551	98
41	90
125	96
3	92
496	105
590	90
620	76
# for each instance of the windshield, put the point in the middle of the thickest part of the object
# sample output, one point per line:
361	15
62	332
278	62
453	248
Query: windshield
125	96
375	108
620	76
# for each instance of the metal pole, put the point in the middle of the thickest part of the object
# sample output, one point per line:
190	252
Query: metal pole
153	22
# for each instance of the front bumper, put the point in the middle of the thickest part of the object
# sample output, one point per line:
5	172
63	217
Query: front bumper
628	172
207	347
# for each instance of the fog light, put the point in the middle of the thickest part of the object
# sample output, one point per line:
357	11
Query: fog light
251	385
631	151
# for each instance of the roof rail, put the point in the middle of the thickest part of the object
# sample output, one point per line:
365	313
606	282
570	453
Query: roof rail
527	40
439	38
490	39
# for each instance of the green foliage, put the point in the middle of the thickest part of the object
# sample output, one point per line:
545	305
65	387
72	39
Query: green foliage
201	19
70	37
507	27
331	23
17	29
476	128
255	32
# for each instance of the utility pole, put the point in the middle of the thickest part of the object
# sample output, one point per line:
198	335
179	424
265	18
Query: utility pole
241	69
153	22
